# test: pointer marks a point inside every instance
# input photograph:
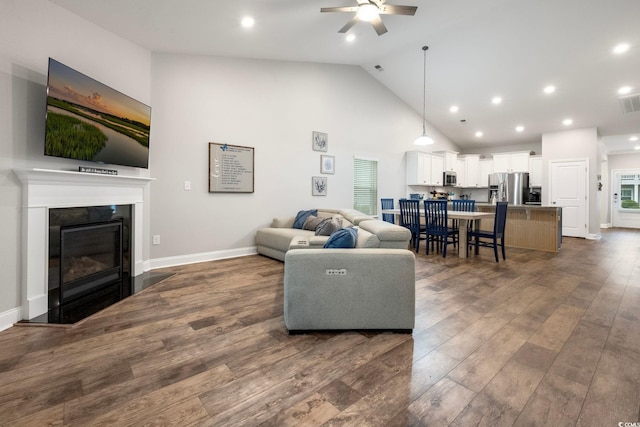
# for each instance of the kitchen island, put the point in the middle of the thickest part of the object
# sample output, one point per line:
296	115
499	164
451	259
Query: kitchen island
529	226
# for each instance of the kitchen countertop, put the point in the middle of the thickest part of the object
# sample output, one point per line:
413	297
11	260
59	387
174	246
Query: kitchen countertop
484	205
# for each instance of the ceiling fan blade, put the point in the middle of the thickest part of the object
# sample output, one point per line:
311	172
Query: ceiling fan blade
349	24
388	9
378	25
340	9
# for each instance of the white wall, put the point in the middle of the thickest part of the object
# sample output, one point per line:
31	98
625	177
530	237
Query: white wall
273	106
536	147
572	145
31	31
624	161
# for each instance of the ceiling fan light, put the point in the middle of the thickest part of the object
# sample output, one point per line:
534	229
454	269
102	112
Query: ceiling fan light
423	140
367	12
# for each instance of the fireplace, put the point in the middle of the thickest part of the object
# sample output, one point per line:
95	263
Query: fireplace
90	258
88	254
90	200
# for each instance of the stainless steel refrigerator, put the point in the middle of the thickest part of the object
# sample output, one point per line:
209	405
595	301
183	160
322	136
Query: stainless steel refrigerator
510	187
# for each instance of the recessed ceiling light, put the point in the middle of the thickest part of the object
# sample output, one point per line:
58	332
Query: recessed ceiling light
247	22
633	138
519	128
496	100
621	48
350	37
567	122
624	90
479	134
454	108
549	89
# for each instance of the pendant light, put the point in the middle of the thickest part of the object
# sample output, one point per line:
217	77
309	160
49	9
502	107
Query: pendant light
424	139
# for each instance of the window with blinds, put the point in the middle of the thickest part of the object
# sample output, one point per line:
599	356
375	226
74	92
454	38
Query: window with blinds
365	185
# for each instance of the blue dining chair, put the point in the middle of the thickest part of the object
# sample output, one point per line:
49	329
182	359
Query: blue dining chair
489	239
410	219
464	206
437	225
388	204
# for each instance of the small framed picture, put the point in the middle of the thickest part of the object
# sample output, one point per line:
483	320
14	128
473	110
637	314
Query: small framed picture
320	141
318	186
327	164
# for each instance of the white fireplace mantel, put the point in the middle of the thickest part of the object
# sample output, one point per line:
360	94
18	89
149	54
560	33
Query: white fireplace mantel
44	189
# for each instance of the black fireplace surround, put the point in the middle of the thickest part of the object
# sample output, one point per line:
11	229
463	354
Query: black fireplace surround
89	260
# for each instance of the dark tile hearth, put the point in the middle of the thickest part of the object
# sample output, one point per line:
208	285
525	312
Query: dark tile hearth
79	309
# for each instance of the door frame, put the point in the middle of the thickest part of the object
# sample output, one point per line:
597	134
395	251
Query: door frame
584	160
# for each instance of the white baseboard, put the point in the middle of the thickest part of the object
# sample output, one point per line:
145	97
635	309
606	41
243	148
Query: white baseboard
592	236
201	257
608	225
9	317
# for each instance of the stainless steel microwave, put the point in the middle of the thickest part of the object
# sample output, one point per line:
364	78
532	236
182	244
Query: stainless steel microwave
449	178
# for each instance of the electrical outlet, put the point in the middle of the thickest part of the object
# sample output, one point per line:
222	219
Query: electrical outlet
187	185
156	239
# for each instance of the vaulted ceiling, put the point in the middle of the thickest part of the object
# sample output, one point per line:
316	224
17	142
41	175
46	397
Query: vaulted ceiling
478	50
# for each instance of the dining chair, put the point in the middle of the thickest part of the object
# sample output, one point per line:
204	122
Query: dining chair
437	225
489	239
464	206
410	218
388	204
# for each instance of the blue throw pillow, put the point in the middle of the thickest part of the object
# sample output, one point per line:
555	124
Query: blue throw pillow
343	238
302	216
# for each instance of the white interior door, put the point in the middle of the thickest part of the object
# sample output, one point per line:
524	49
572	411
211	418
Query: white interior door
625	210
568	182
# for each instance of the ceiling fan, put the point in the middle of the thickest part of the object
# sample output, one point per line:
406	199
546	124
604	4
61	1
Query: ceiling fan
370	11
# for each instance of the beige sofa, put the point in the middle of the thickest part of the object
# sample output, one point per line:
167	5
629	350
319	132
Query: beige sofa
371	286
276	240
349	289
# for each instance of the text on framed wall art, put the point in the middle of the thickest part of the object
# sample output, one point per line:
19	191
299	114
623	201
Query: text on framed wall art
230	168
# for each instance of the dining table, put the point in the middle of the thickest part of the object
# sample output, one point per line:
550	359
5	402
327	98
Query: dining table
463	216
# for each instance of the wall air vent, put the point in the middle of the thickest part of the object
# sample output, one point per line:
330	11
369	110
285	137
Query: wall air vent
630	103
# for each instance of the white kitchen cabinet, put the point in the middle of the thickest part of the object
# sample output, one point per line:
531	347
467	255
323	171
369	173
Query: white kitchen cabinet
486	169
437	169
450	160
520	162
416	168
424	168
461	179
501	162
511	162
472	170
535	171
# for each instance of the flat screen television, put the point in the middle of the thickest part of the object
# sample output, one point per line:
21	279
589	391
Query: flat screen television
87	120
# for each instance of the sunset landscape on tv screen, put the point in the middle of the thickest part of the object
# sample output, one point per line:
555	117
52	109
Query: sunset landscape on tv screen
87	120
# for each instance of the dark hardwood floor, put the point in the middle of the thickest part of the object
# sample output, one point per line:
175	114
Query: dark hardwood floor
541	339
